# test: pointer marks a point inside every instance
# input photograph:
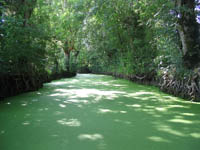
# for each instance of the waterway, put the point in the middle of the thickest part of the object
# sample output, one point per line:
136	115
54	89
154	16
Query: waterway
98	112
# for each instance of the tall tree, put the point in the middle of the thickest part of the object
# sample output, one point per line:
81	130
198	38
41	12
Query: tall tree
189	32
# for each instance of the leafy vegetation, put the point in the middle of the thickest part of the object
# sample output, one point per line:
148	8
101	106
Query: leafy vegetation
146	41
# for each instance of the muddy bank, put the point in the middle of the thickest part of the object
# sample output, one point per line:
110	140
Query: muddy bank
11	85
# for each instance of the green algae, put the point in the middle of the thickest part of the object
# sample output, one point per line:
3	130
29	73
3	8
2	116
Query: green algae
97	112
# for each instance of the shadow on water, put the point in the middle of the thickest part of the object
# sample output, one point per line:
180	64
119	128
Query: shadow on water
97	112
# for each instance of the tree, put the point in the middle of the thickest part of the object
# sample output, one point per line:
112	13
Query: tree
189	32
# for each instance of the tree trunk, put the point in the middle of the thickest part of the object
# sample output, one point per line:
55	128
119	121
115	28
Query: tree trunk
68	62
188	32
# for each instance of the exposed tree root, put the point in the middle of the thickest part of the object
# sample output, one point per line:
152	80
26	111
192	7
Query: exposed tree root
188	88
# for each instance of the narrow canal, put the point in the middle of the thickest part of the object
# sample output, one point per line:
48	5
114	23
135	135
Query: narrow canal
97	112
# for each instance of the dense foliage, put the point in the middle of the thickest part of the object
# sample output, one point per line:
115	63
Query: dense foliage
147	40
30	52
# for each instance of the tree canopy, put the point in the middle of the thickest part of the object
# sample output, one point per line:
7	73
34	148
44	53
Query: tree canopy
143	40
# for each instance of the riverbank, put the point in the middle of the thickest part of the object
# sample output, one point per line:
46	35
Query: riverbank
187	88
12	85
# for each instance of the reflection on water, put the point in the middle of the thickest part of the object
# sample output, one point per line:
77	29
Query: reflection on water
98	112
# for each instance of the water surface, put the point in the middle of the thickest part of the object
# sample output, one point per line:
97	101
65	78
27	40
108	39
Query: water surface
97	112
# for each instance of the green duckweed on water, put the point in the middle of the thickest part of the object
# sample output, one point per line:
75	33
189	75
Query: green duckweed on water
98	112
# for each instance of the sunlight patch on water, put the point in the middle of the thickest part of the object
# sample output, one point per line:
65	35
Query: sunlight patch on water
181	121
58	83
58	100
101	83
69	122
168	129
195	135
85	93
134	105
92	137
123	112
103	111
121	121
139	94
160	109
188	114
178	117
66	81
62	105
177	106
76	101
26	123
158	139
2	132
24	104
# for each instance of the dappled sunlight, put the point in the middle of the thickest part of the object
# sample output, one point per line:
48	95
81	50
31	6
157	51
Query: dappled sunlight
43	109
39	93
158	139
62	105
124	122
178	117
26	123
123	112
58	100
104	111
102	83
82	111
2	132
89	76
55	83
168	129
140	93
148	111
173	99
64	82
108	84
177	106
150	107
8	103
195	135
181	121
75	101
188	114
92	137
134	105
86	93
118	85
69	122
25	104
160	109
